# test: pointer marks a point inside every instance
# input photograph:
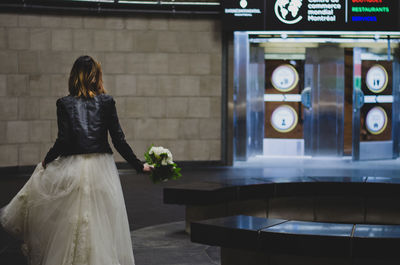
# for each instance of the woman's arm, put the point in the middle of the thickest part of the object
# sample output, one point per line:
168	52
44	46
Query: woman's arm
118	139
62	137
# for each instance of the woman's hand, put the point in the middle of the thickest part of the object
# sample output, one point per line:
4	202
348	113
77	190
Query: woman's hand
147	168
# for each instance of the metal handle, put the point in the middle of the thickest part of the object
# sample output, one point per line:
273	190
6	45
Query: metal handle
359	99
306	97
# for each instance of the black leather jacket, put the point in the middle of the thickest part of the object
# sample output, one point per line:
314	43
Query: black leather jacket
82	129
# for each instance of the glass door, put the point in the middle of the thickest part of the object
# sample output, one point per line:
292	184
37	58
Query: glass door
283	124
323	98
374	96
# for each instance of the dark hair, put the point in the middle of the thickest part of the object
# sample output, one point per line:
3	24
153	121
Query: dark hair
86	78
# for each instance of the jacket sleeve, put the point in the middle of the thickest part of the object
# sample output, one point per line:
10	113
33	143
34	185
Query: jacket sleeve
62	137
118	138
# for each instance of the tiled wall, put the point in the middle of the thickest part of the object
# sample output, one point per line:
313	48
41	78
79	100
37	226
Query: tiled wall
164	72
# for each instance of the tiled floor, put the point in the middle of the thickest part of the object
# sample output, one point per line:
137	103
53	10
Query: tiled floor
158	228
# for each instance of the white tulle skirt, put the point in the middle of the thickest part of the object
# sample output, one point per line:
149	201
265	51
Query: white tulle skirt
73	212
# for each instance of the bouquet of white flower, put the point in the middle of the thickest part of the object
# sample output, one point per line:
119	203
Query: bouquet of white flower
164	167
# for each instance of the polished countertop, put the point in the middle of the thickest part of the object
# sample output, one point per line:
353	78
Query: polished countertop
299	237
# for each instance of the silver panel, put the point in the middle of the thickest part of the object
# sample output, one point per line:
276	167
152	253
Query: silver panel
376	150
255	102
307	123
283	147
241	64
227	129
396	107
325	65
358	98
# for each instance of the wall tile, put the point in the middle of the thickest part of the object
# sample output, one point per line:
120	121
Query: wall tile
8	108
136	107
17	85
120	103
200	64
83	40
75	22
137	23
216	64
29	108
198	150
48	108
94	22
168	42
177	107
146	129
210	128
28	62
3	132
8	20
8	62
29	154
179	64
210	86
215	107
3	85
180	24
40	39
188	42
209	42
189	128
51	21
18	38
39	85
147	85
61	40
40	131
169	85
104	40
8	155
156	23
3	38
199	107
156	107
32	21
114	63
158	63
114	23
215	150
125	85
168	129
189	86
125	40
146	41
128	126
136	63
59	85
17	132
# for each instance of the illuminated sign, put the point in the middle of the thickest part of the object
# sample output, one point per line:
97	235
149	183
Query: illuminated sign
376	120
284	118
284	78
243	15
288	11
339	15
377	78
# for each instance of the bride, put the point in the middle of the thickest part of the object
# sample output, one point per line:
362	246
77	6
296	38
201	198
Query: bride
71	210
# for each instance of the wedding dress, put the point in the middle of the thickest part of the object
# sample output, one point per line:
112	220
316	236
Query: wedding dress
72	213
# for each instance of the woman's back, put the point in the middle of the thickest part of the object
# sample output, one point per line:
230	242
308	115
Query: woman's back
87	121
85	116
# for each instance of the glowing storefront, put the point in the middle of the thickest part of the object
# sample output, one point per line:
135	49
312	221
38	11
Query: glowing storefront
315	78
